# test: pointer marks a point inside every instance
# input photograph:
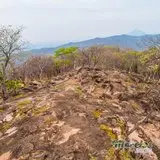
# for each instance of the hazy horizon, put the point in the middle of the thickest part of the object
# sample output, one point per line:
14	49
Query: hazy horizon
59	21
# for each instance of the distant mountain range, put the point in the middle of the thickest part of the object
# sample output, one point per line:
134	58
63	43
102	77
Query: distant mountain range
133	40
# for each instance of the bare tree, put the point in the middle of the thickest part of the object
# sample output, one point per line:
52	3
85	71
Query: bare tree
10	45
92	56
35	68
153	62
152	41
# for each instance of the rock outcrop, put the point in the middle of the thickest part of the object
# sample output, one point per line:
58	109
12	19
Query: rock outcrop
78	115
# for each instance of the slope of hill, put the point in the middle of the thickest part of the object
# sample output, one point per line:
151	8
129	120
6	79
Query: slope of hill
77	116
123	41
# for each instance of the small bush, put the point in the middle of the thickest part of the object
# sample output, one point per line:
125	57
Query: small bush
13	86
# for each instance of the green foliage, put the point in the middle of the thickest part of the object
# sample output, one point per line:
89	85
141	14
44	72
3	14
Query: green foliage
64	57
109	131
145	57
14	85
62	62
97	114
155	68
134	53
150	60
112	152
131	60
65	51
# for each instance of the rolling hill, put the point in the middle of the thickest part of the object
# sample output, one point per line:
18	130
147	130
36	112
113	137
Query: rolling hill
123	41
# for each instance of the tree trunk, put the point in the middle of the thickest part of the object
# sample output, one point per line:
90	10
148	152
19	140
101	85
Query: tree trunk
4	91
3	85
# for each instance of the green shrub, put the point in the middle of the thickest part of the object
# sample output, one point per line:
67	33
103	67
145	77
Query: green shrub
13	86
65	51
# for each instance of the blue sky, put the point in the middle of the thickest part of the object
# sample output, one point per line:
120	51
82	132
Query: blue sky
74	20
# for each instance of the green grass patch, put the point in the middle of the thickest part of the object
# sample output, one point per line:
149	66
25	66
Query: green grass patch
97	114
5	126
39	111
25	102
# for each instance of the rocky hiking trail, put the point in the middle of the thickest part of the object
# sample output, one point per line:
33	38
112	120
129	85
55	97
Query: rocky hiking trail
67	119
